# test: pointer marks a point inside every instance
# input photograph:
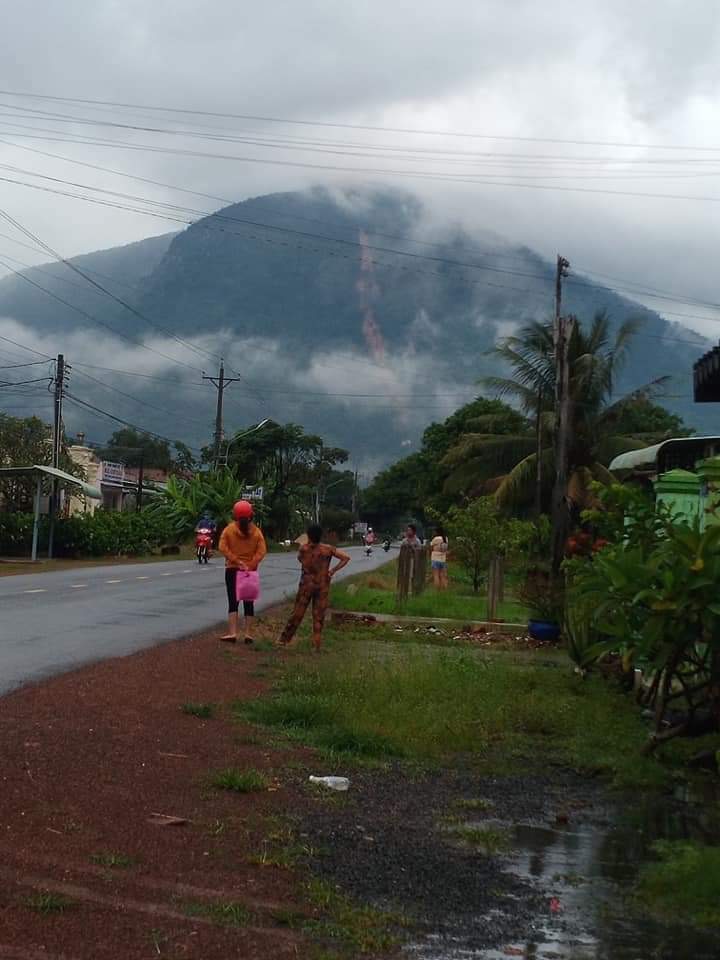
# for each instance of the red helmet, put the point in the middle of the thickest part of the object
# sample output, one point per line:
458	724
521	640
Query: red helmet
243	510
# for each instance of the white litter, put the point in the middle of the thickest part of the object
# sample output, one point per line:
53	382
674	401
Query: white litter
340	784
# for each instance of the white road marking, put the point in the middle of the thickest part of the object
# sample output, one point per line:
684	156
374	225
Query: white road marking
169	574
142	578
113	581
38	590
187	571
77	586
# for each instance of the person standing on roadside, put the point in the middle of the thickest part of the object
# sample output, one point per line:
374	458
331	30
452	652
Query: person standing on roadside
315	559
411	537
243	546
438	559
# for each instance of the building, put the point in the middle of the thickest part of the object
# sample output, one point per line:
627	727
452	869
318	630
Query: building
118	483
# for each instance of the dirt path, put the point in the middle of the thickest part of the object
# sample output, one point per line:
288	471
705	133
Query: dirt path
87	760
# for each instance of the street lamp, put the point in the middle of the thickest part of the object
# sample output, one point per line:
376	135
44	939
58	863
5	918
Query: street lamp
239	436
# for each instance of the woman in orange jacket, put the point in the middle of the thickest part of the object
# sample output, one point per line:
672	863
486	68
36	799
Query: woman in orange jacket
243	547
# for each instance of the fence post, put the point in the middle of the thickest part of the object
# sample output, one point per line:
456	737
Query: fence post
404	574
419	570
495	585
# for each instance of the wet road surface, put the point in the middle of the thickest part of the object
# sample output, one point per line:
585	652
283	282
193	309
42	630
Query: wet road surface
53	622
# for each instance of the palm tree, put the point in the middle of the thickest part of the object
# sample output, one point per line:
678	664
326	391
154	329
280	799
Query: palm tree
513	466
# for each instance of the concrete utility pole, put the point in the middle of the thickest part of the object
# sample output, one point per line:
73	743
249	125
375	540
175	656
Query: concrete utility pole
220	384
562	332
60	374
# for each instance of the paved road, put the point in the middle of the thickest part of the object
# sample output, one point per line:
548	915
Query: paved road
52	622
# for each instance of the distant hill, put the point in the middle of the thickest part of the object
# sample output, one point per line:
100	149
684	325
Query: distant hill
120	269
318	293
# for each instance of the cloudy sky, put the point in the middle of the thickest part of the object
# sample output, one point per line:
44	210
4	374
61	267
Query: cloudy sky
586	128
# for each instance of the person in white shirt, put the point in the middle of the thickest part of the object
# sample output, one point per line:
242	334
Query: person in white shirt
438	559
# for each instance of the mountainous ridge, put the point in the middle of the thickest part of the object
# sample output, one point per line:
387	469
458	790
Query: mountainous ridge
318	295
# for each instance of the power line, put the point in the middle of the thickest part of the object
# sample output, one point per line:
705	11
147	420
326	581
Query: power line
23	347
354	126
126	423
14	366
89	316
98	286
412	174
20	383
145	403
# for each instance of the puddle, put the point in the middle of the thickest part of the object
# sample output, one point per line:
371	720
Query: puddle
585	873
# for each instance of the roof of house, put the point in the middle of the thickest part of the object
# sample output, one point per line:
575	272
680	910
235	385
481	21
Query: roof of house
40	469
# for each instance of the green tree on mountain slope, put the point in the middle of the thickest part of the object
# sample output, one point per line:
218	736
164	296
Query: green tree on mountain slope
481	460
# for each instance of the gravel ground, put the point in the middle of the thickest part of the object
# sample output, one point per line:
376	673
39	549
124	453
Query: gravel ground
387	844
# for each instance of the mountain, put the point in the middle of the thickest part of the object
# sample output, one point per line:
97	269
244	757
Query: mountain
120	269
314	296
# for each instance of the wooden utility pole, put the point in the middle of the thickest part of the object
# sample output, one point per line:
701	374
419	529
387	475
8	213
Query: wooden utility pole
562	332
141	480
539	452
220	385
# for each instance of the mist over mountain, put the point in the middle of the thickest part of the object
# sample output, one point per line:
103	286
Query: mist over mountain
352	312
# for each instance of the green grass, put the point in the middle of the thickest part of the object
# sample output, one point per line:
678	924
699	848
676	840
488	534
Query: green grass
48	903
474	803
230	914
112	859
489	840
375	593
685	883
240	781
349	926
202	710
429	703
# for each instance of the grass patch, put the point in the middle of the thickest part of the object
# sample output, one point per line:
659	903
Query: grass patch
374	592
431	703
224	914
489	840
113	860
48	903
240	781
348	926
202	710
474	803
685	883
285	856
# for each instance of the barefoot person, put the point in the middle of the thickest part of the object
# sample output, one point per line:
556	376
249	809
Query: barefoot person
315	558
243	546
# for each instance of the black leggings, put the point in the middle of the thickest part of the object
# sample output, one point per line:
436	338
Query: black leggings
248	605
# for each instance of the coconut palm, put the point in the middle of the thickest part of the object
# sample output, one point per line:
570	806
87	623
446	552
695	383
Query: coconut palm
511	466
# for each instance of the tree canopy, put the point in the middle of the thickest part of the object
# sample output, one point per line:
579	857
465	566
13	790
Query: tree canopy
482	461
23	442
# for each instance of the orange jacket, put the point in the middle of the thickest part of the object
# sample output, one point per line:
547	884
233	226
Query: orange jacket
241	548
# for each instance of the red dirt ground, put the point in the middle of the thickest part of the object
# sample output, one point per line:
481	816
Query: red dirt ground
87	758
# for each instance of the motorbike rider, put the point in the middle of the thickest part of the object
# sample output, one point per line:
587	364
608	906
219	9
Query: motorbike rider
206	523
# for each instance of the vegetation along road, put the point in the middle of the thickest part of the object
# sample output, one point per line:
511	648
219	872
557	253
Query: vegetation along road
54	622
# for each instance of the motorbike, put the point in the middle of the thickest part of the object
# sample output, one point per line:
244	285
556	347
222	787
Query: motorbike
386	545
203	544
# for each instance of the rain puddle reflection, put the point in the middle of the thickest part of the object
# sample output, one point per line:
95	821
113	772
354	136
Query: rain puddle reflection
585	872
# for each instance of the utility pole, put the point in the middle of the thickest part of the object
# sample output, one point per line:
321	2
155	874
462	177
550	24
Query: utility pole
220	384
141	479
562	332
60	374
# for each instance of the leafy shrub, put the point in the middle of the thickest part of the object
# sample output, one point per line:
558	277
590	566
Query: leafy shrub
100	534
